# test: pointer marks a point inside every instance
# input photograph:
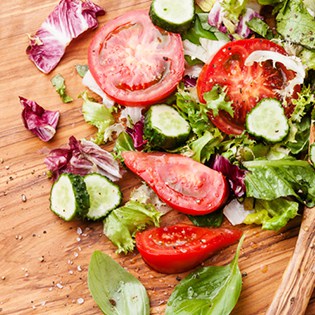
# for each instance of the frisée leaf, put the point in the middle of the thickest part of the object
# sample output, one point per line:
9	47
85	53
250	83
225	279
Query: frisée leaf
59	83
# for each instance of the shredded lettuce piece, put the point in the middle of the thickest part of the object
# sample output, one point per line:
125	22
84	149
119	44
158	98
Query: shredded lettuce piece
97	115
121	225
69	19
41	122
59	84
273	214
82	70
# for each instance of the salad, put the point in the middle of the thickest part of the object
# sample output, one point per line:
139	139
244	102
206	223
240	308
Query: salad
212	109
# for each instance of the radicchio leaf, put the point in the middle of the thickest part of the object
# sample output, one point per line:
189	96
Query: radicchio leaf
136	133
40	122
82	157
69	19
233	173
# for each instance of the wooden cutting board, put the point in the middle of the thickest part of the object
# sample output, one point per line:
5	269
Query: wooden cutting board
43	259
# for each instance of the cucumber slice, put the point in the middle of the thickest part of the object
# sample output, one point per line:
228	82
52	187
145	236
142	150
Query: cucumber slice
104	195
164	127
268	121
172	15
69	197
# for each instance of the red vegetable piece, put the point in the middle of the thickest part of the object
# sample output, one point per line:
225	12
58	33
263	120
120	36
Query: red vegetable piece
184	184
178	248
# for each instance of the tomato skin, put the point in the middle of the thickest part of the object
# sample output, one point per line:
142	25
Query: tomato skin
246	85
182	183
178	248
135	62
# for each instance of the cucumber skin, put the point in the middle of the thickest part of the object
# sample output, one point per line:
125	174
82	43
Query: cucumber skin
168	26
82	198
157	139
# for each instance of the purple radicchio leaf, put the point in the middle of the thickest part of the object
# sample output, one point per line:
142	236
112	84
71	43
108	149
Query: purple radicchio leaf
189	81
136	133
235	175
69	19
40	122
82	157
242	29
215	17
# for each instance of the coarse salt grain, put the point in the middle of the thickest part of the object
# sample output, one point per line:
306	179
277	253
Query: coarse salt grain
59	285
80	300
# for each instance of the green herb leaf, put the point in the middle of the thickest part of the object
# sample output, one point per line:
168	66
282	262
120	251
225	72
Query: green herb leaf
216	100
116	291
121	225
59	83
82	70
97	115
210	290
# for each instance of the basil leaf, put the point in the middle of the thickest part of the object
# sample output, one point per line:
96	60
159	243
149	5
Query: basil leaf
59	84
212	219
212	290
116	291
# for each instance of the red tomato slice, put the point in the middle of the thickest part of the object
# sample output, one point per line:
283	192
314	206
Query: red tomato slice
179	248
246	85
182	183
134	62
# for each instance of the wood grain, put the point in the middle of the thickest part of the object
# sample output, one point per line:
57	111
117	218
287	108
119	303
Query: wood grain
44	260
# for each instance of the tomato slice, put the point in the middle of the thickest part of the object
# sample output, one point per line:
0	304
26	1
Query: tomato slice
182	183
246	85
178	248
135	62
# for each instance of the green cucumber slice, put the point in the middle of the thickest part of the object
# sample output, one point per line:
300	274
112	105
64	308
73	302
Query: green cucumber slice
104	195
268	121
69	197
172	15
164	127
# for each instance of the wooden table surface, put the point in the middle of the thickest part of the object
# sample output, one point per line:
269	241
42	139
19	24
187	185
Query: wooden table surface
43	259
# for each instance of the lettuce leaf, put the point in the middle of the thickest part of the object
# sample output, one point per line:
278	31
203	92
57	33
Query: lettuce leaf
272	214
270	180
97	115
69	19
59	83
121	225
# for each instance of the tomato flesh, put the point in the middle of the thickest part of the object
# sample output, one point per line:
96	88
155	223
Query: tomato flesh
182	183
246	85
178	248
134	62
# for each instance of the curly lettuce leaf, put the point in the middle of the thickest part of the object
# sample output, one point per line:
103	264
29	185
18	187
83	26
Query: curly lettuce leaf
59	84
97	115
272	214
272	179
121	225
69	19
216	101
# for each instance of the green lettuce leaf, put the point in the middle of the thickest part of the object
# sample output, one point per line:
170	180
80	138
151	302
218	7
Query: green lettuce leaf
115	290
272	179
214	219
260	27
121	225
216	101
123	143
97	115
273	214
59	84
82	70
296	24
210	290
